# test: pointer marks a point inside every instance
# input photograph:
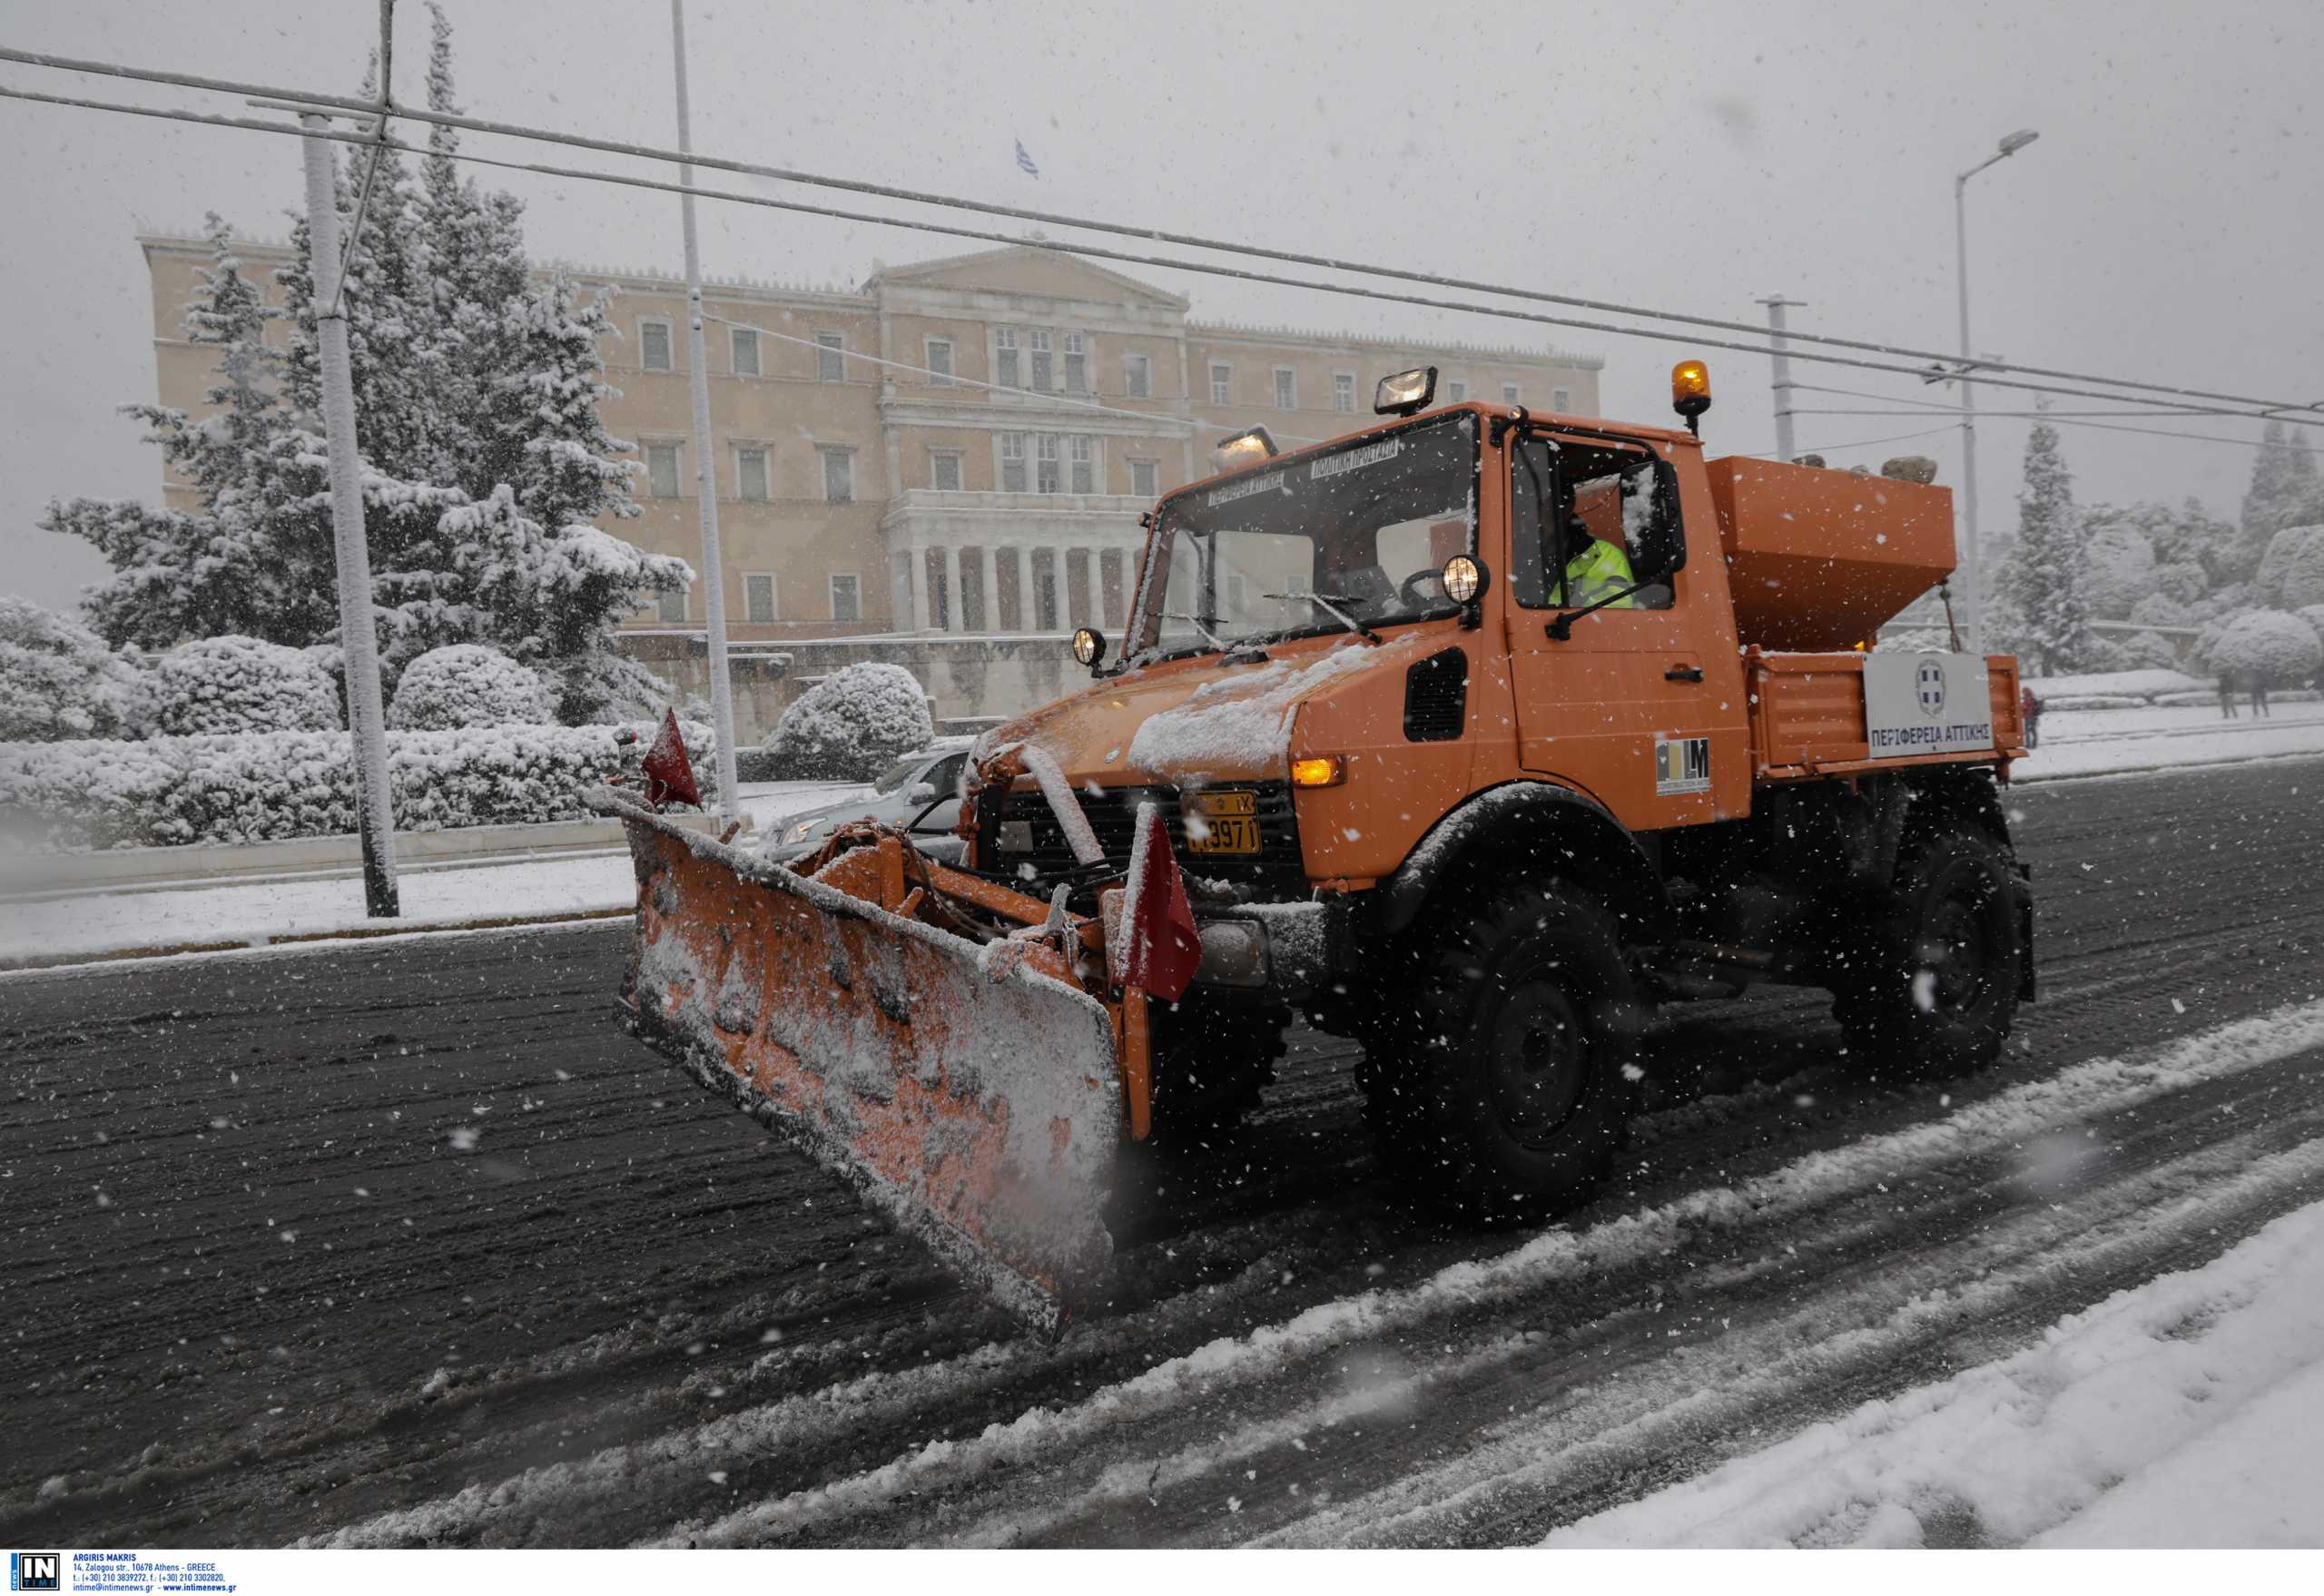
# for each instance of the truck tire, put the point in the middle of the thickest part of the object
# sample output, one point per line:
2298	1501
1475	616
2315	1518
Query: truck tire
1212	1058
1932	991
1505	1093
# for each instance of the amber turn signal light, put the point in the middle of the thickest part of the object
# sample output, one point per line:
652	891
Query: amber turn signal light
1327	771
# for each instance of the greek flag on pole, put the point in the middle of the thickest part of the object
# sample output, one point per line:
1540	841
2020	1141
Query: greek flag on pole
1025	162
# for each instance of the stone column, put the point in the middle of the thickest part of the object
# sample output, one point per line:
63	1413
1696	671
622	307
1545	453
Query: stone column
991	563
1028	605
956	615
916	567
1096	590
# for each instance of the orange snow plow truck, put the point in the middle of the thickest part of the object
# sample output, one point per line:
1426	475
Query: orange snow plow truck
1474	737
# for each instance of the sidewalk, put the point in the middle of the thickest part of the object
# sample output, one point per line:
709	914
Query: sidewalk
159	919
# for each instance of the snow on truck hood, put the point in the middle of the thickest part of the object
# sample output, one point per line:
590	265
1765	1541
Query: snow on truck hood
1195	719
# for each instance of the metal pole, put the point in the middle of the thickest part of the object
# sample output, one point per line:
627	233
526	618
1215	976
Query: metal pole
706	469
1972	594
1779	363
358	639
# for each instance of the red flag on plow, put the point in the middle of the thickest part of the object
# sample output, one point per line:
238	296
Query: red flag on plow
1159	945
669	774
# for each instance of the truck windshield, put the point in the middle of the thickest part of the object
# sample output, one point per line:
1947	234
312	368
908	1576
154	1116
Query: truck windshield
1363	528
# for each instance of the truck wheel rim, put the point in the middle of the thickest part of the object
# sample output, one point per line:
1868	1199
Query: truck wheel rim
1540	1052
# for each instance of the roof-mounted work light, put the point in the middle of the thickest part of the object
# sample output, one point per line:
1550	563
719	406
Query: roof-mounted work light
1243	448
1405	392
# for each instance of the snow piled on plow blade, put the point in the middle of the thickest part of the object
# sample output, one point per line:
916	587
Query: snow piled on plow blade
976	1103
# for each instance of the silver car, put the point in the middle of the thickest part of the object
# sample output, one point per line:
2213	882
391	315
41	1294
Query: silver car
920	793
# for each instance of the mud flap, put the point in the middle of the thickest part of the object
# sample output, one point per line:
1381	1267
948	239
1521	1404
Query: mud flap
974	1103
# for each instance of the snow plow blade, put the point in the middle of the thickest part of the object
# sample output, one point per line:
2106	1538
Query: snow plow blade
970	1099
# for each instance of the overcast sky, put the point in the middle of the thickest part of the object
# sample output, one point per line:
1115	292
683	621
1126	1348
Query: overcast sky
2167	224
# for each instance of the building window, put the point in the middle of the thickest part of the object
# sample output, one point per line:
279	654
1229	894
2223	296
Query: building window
939	362
1454	392
1286	389
1083	452
1012	462
1046	479
758	597
1141	479
747	352
1044	360
654	345
1222	382
1509	393
662	470
1138	376
1343	392
749	473
1005	369
944	472
671	605
847	596
1077	364
1561	400
839	475
831	361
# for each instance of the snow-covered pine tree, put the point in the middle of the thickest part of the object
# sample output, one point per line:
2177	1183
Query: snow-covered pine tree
2042	580
2286	491
485	463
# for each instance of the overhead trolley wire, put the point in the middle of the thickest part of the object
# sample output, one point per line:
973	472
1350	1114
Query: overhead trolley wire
2262	409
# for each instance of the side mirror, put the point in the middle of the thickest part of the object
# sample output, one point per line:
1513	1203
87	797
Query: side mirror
1661	545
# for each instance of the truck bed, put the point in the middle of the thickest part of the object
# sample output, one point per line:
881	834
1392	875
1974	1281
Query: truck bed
1808	718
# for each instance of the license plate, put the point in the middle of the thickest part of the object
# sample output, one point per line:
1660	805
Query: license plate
1222	822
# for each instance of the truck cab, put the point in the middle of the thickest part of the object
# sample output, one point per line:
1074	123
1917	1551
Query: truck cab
1387	698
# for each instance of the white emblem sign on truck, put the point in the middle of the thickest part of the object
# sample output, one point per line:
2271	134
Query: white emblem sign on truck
1918	704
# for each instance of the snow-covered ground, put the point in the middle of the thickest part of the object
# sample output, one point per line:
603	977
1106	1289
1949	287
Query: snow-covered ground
2077	743
2180	1413
256	914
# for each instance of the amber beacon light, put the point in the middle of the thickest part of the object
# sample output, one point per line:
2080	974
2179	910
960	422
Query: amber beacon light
1691	390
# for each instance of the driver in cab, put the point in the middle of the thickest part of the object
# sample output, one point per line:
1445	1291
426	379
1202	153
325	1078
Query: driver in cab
1598	567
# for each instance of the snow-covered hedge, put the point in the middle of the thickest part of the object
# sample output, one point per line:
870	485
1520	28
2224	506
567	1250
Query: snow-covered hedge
215	686
58	679
464	686
848	726
2291	573
2270	647
262	788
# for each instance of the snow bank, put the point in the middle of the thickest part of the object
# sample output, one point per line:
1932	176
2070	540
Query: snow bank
2143	685
256	788
2180	1413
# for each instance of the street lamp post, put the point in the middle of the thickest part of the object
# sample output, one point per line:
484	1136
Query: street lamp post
1973	583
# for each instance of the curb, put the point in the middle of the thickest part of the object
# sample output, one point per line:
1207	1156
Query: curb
9	966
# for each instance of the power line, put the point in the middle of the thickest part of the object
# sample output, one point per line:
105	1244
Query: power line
1833	448
645	152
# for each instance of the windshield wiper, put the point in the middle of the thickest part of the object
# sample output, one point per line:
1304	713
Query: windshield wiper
1201	623
1324	601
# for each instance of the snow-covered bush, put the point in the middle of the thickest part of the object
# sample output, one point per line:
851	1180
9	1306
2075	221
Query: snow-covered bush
849	725
2162	609
2313	613
2145	651
58	679
2117	568
262	788
466	684
2183	581
2267	645
220	685
2291	572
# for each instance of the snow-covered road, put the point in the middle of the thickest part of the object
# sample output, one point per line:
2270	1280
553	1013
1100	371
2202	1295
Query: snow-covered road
406	1244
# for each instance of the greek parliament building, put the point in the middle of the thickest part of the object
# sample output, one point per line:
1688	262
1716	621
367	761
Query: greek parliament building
943	468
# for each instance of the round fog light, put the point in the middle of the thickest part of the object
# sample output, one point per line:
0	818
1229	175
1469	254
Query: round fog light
1089	647
1464	579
